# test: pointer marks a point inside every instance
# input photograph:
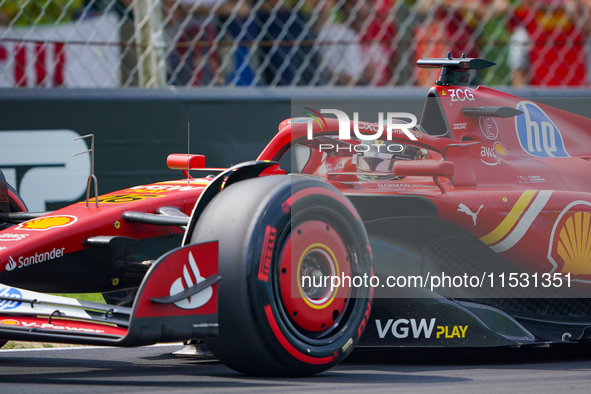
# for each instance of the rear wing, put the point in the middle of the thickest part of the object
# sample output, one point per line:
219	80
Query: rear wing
454	71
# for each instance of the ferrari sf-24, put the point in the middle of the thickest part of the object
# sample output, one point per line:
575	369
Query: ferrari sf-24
470	228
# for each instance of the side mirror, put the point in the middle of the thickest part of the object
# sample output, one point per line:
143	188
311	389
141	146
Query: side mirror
183	161
434	168
423	168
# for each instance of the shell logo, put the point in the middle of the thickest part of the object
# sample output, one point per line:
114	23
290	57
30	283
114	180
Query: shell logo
573	244
9	322
500	149
48	222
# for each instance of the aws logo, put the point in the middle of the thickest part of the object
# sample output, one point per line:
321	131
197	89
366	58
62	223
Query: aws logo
537	134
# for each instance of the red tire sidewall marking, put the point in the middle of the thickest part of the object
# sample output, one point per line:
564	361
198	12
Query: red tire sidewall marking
288	346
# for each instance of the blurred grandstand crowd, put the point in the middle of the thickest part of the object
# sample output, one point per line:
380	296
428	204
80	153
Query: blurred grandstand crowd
274	43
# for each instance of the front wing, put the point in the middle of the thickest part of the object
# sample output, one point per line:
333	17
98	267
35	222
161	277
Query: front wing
177	300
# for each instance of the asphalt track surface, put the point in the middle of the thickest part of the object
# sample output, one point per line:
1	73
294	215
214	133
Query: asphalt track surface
155	369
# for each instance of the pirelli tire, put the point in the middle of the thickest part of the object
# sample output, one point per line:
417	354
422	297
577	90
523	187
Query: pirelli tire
270	323
15	204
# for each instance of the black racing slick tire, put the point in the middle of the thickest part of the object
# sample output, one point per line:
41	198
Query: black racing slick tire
273	231
15	204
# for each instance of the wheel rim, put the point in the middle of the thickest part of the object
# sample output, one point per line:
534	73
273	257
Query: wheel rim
313	254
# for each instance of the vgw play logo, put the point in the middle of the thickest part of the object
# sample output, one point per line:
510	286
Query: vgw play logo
537	134
391	120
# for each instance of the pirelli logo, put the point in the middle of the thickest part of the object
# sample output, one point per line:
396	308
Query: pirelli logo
267	253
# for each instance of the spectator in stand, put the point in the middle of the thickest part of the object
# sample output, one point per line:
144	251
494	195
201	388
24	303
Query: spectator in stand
584	23
269	42
373	23
339	47
548	44
196	60
191	62
451	26
237	59
283	27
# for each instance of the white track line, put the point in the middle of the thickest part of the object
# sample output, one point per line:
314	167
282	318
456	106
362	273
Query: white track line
82	347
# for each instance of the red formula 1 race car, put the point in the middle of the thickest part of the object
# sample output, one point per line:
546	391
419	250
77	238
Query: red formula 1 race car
472	229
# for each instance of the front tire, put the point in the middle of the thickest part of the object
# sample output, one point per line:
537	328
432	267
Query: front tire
273	232
15	204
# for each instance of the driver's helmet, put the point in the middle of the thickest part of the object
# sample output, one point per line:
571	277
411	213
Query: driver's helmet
379	157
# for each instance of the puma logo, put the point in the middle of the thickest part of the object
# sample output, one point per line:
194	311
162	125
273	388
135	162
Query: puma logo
467	211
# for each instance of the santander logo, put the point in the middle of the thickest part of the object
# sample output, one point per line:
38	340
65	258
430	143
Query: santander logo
190	279
11	264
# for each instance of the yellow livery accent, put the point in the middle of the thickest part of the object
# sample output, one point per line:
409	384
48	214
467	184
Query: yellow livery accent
507	224
334	259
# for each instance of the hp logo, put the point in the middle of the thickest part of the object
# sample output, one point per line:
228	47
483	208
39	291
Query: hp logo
8	294
537	134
